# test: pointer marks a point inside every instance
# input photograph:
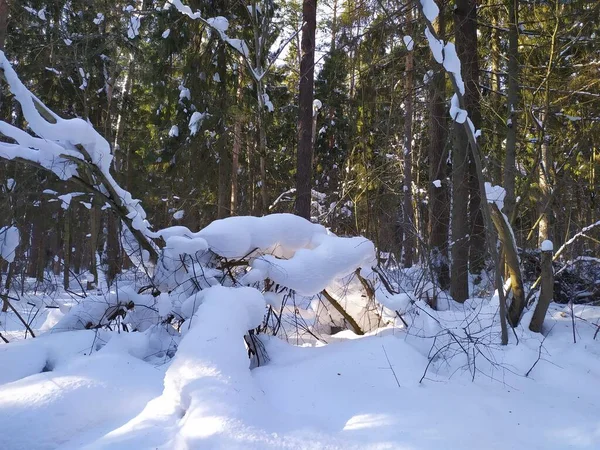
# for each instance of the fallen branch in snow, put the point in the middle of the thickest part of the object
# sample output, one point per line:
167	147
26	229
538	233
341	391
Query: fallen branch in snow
343	312
19	316
539	353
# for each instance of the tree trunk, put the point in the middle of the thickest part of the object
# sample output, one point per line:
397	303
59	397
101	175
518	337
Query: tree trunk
67	247
545	203
511	256
237	144
439	202
546	291
93	241
546	160
459	273
512	105
305	100
224	169
408	213
465	22
7	285
113	247
4	7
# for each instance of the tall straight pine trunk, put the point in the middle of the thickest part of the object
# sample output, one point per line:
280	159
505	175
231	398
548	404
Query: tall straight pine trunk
408	213
512	106
305	100
468	239
439	201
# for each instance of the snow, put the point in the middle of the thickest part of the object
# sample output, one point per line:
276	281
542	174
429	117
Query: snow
99	18
458	114
196	122
184	93
547	246
430	10
133	29
9	241
452	65
310	271
317	105
51	409
495	194
219	23
174	131
178	215
65	201
268	103
240	46
354	393
436	46
428	77
235	237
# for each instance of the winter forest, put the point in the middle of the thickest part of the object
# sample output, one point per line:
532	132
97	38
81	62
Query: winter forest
283	224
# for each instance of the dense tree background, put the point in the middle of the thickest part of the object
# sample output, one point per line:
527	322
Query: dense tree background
191	140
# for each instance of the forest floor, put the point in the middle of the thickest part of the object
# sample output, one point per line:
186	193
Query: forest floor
93	390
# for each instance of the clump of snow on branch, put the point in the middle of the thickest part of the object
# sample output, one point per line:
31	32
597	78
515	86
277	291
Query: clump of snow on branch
9	241
458	114
196	122
495	194
430	9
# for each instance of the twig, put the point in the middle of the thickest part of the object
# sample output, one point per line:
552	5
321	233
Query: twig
23	321
391	367
573	321
539	354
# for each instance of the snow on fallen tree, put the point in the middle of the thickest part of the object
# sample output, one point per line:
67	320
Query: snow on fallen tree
285	257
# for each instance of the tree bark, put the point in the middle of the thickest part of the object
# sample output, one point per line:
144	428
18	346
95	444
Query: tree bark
546	293
512	261
465	16
93	241
237	145
113	246
305	100
463	29
439	202
459	270
408	213
67	247
4	7
224	169
512	105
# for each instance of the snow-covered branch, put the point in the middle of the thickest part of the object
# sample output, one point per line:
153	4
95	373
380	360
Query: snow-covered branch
71	149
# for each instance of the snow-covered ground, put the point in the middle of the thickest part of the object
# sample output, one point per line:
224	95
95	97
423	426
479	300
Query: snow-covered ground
93	389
